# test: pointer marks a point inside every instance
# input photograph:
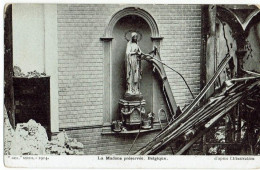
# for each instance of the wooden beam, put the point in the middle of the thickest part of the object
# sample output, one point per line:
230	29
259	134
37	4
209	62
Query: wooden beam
204	32
206	129
8	65
211	47
188	110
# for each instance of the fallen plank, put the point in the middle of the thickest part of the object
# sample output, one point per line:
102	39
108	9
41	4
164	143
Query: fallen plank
205	130
202	115
187	112
207	127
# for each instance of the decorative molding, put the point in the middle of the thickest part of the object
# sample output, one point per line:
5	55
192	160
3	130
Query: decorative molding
82	127
157	38
105	127
132	11
230	17
240	6
106	39
156	127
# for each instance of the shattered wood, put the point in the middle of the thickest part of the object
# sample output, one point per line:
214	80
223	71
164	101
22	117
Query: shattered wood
204	117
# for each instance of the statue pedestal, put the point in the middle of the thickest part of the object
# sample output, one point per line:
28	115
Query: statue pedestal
131	112
133	97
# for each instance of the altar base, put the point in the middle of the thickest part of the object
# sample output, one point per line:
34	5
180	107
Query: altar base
132	112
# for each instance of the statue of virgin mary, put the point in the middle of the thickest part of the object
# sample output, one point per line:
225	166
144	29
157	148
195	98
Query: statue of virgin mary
133	66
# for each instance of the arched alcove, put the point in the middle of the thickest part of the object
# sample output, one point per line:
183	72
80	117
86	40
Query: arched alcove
109	44
232	17
121	35
241	25
132	11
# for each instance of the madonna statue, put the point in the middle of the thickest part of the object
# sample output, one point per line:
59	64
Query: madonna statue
133	66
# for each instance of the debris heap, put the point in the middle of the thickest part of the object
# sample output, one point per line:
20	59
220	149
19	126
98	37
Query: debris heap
194	123
31	139
32	74
63	145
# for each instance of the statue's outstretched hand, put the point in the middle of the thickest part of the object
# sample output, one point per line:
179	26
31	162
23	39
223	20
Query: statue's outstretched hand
147	57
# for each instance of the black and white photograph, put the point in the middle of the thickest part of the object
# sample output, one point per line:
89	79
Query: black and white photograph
131	81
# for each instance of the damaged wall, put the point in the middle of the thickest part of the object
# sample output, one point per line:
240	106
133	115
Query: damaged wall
251	61
230	36
225	42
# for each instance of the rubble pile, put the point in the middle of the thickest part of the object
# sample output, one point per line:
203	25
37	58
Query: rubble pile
63	145
18	72
32	74
218	137
31	139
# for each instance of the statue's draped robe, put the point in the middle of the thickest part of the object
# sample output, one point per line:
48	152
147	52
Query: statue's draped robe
132	68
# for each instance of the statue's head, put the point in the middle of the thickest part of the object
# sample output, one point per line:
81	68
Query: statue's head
134	36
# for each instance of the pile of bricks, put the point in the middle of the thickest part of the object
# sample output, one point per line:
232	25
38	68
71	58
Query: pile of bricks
31	74
31	139
63	145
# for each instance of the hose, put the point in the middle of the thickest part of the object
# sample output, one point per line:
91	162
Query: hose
172	70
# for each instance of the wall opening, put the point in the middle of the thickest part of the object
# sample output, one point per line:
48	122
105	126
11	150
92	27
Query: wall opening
121	34
114	43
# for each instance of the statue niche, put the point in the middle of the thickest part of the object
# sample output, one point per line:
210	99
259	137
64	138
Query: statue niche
131	107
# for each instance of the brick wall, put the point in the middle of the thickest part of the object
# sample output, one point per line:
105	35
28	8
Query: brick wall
96	144
180	25
80	53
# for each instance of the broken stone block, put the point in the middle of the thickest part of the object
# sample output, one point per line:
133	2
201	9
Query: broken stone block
62	138
76	145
